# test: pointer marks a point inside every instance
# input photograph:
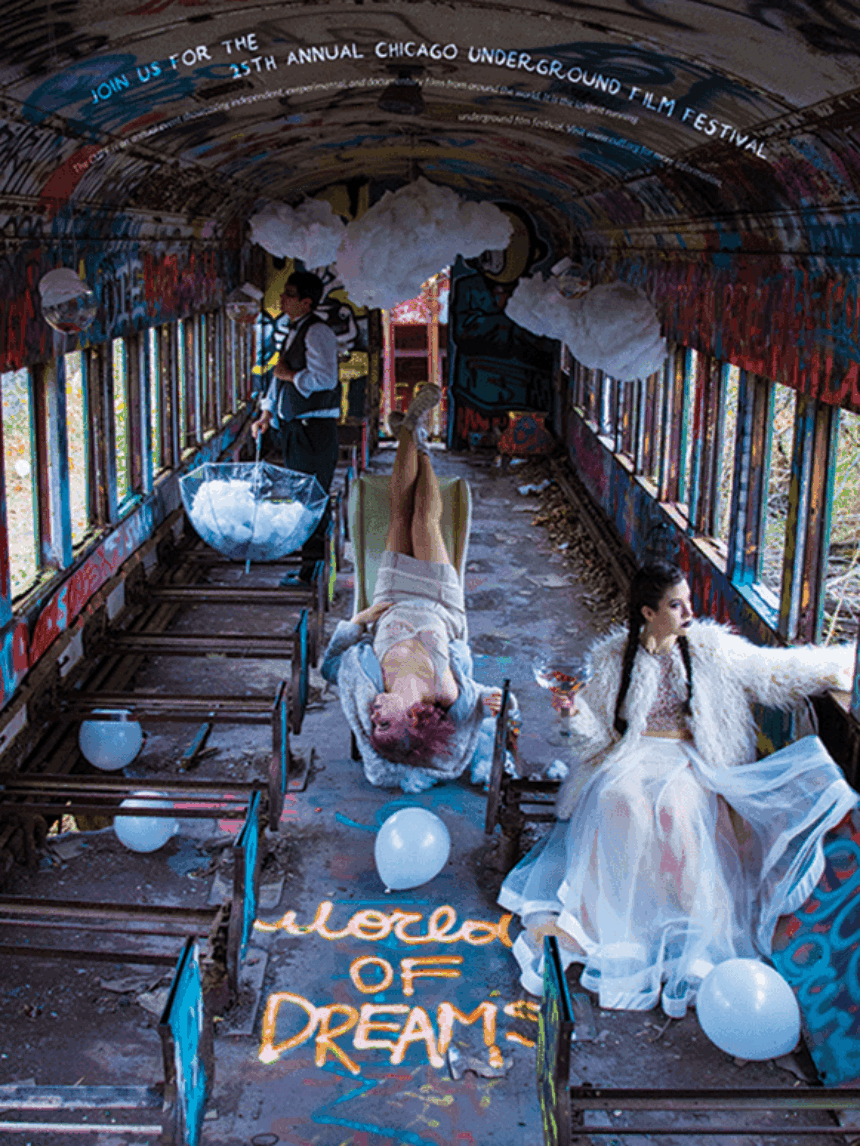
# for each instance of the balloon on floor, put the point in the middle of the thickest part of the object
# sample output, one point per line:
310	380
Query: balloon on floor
145	833
748	1010
412	847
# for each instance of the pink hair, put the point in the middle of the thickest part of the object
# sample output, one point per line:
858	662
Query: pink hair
406	743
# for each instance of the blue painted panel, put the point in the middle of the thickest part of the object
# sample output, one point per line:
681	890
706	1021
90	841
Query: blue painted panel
248	846
184	1018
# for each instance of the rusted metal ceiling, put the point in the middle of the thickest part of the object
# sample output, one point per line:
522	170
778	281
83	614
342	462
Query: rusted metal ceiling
628	119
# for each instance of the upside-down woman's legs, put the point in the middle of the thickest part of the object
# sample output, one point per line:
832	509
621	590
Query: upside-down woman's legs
401	494
428	543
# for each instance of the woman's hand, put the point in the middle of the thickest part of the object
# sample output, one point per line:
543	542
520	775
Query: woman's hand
493	701
564	703
371	614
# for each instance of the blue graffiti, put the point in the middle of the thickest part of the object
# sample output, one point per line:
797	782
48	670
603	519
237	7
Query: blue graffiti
102	94
822	964
380	817
323	1116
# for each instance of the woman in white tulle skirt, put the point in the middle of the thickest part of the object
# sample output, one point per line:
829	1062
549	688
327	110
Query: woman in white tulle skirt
675	849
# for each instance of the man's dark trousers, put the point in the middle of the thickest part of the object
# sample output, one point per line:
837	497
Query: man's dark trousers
311	447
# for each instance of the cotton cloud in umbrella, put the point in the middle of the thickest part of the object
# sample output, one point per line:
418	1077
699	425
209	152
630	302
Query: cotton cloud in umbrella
613	327
310	232
409	235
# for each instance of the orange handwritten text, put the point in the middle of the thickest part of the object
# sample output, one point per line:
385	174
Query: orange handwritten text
374	926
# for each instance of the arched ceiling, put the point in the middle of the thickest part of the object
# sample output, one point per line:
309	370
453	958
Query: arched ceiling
610	120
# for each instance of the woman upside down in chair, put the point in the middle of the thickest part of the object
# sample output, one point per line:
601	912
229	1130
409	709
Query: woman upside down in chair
402	666
675	849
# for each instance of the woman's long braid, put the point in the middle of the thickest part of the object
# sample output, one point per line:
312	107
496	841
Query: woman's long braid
627	668
684	646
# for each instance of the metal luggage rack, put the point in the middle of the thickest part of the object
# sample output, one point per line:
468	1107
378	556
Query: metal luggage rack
172	1109
563	1107
225	928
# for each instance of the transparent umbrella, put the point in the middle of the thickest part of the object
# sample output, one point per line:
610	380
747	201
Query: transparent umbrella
252	511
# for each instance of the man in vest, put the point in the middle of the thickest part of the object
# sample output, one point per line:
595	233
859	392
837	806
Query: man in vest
303	400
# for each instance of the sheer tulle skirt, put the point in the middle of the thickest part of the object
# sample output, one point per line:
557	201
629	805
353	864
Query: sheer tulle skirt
669	866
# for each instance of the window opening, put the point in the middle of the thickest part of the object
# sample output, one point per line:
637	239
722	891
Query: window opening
685	417
210	373
76	431
842	572
155	404
650	425
18	456
234	365
605	387
727	457
182	376
778	477
120	419
673	425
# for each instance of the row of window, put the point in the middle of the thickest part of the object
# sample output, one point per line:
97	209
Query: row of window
86	435
741	459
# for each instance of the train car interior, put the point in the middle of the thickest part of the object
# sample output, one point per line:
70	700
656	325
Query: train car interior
311	309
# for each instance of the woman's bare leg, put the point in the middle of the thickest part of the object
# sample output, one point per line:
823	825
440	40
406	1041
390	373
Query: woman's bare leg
428	543
401	494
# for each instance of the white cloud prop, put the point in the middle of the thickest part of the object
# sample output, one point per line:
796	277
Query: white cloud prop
613	327
411	234
310	232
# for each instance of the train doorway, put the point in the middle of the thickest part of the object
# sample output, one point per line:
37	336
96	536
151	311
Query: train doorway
415	351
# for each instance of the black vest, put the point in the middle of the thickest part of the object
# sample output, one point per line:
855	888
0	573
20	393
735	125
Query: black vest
291	404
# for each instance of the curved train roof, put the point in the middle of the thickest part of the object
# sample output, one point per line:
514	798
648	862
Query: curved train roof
624	123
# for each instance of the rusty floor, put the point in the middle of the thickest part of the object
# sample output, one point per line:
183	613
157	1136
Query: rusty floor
382	1084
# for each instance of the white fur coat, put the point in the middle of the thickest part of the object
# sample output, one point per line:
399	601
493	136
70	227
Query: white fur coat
729	675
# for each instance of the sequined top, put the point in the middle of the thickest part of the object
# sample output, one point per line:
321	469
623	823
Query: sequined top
667	712
419	621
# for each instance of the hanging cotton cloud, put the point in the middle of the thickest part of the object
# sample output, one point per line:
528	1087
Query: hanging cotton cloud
310	232
411	234
613	327
537	306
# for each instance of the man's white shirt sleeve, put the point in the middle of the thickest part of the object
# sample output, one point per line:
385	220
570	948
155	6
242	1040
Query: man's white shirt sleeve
320	373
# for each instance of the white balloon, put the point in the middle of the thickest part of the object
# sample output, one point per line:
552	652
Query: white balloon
110	744
748	1010
145	833
412	846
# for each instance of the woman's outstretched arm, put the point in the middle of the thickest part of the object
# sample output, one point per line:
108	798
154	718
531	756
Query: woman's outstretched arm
780	677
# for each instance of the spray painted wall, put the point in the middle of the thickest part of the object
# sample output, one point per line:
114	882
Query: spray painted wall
140	280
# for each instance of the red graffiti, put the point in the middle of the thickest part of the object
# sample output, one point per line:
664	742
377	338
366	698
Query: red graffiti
16	318
62	182
168	285
788	323
72	596
471	421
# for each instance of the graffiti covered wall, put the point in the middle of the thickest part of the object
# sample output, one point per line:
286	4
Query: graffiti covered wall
24	641
496	366
795	321
139	280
